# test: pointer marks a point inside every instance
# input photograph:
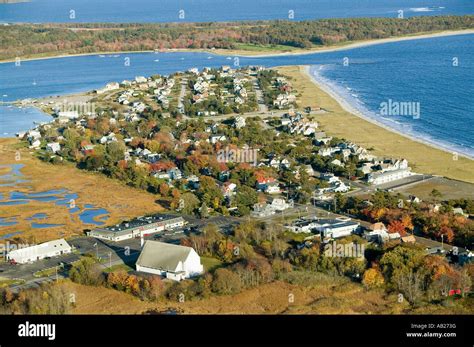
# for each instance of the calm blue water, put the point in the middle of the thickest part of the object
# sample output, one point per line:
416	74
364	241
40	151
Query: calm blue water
89	216
40	11
38	216
23	118
8	221
419	71
15	176
10	235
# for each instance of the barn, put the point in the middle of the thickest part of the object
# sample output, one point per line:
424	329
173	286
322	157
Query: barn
171	261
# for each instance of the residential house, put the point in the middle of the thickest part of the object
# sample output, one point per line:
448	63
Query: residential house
53	147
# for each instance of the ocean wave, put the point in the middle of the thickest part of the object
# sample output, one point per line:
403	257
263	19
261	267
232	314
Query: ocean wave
426	9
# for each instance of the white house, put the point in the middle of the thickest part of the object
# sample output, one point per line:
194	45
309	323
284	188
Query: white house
239	122
37	252
171	261
279	204
140	79
53	147
68	114
376	232
329	177
272	188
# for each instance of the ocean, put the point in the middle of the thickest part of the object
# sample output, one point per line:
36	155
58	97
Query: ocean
120	11
435	75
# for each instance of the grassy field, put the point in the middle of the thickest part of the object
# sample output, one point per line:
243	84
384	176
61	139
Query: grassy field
121	201
450	189
319	296
340	123
6	282
120	267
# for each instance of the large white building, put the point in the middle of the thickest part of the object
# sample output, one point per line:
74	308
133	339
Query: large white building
388	176
335	228
171	261
38	252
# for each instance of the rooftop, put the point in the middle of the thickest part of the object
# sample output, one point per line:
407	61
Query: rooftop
163	256
140	221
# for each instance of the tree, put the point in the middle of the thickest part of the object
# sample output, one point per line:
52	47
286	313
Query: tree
399	261
209	192
246	196
115	151
86	272
435	194
94	162
190	203
465	282
226	282
372	278
411	284
203	212
397	226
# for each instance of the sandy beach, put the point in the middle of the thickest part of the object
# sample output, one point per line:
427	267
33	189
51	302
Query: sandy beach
351	109
359	44
227	52
343	121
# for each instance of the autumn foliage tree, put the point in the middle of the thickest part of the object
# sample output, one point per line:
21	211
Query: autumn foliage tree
372	278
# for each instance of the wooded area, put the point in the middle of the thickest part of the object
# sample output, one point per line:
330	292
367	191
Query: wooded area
26	40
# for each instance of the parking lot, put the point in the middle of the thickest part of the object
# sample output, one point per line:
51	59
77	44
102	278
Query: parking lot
109	254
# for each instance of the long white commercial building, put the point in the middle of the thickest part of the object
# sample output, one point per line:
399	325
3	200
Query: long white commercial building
138	227
37	252
388	176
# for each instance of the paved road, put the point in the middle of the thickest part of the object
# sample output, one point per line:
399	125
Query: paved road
109	253
259	94
182	93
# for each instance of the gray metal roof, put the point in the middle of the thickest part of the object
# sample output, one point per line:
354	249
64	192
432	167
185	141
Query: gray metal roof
152	221
162	256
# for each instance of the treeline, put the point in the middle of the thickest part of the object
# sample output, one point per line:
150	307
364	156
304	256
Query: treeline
48	39
46	299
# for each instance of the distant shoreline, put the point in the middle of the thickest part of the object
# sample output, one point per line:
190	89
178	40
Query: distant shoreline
224	52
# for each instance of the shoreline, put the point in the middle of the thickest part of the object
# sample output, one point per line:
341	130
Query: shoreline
381	140
243	53
348	107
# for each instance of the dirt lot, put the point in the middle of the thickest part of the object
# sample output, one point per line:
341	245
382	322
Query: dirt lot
451	189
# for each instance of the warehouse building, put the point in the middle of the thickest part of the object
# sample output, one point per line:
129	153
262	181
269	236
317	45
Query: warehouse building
139	227
37	252
171	261
335	228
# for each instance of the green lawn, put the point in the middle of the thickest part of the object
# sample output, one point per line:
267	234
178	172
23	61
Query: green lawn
263	48
119	267
6	282
210	264
46	272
